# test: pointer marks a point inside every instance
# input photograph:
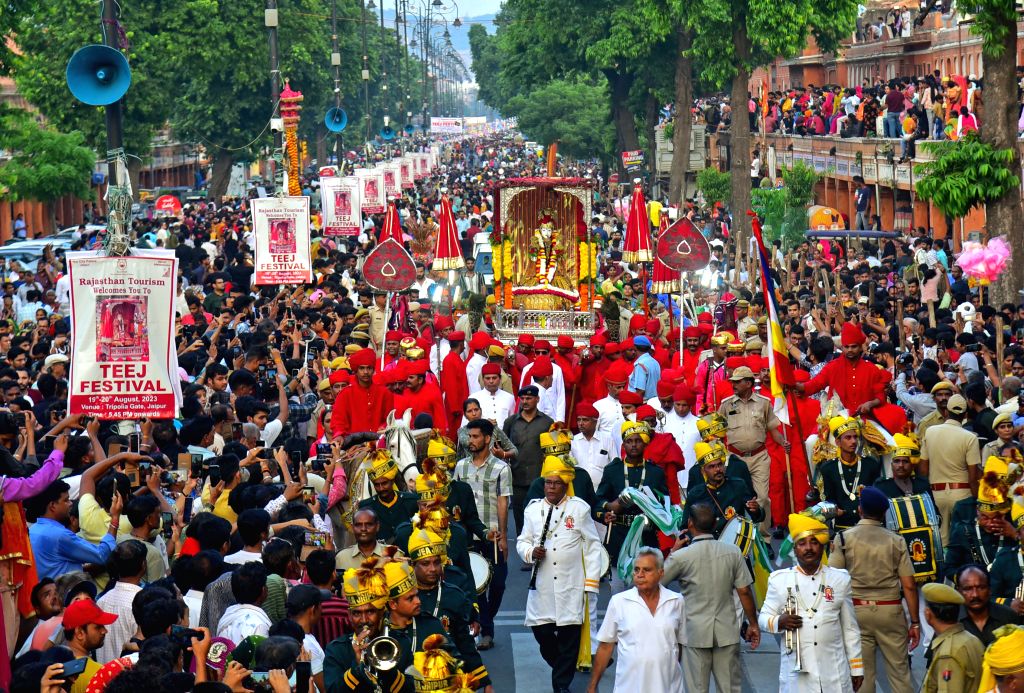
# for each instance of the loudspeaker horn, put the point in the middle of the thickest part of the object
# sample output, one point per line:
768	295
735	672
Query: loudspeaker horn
336	119
387	133
409	129
98	75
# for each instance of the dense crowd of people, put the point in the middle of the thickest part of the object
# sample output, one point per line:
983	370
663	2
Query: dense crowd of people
272	536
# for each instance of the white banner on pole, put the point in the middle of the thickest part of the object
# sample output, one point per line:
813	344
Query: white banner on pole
446	126
373	199
281	228
341	200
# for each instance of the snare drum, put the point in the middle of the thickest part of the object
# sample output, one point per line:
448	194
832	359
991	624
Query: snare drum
739	531
481	571
606	562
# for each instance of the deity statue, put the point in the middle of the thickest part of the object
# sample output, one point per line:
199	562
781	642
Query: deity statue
545	284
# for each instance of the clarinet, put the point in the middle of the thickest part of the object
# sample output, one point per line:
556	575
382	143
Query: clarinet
543	538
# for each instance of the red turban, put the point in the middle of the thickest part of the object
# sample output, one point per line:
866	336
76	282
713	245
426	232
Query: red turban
542	344
417	367
599	340
565	342
706	329
490	369
587	409
363	357
339	377
674	375
800	375
665	388
611	349
851	334
526	339
735	362
393	336
630	397
705	319
542	367
618	373
692	332
645	411
443	322
673	335
457	336
479	340
756	363
684	393
653	327
637	322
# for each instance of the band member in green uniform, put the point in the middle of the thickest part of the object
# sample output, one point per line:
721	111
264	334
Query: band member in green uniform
841	478
393	507
728	496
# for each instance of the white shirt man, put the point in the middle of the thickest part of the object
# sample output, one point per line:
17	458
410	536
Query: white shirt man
684	430
496	405
557	383
242	620
473	366
610	420
548	403
594	452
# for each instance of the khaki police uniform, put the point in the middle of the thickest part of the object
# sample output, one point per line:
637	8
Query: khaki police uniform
749	422
950	451
876	559
955	662
932	419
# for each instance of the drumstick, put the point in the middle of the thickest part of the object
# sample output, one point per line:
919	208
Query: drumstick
495	550
607	532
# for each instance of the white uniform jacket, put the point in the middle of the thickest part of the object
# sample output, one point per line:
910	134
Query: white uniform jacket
610	420
572	563
829	637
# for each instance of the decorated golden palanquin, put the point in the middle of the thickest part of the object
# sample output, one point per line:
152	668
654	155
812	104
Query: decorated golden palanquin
544	258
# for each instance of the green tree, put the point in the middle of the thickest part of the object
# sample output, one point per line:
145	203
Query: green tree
733	37
965	174
44	164
574	114
714	186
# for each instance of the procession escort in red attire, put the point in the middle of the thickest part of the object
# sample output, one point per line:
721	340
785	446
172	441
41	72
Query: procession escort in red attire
454	385
420	396
362	406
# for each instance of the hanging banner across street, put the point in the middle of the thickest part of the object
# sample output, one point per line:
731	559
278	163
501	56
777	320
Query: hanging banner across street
281	228
446	126
341	202
122	313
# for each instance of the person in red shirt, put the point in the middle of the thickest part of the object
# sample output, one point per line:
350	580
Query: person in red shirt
592	367
567	359
420	396
663	450
803	417
392	344
454	385
661	352
362	406
690	356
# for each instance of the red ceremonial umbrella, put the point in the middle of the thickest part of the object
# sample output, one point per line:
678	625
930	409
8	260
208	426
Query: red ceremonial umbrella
392	225
447	252
638	229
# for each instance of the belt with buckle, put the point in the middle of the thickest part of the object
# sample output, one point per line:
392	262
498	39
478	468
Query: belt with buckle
949	487
876	602
748	453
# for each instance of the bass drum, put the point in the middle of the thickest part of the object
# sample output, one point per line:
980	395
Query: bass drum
481	571
606	562
739	531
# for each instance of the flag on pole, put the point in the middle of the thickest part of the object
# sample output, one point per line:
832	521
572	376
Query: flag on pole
778	357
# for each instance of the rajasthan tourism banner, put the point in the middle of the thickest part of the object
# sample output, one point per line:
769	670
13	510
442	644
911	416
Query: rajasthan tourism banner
392	179
122	315
281	227
340	200
372	192
405	171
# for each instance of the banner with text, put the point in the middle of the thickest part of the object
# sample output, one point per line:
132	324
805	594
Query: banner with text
405	170
372	190
122	313
281	227
446	126
633	160
340	199
392	179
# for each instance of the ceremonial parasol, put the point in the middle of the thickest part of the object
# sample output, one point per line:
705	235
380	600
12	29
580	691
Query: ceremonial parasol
447	252
638	229
392	225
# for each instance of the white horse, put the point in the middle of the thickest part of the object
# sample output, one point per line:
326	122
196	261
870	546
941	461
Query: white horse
405	445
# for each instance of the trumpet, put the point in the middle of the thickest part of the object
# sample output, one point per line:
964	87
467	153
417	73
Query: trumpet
1018	593
381	654
793	636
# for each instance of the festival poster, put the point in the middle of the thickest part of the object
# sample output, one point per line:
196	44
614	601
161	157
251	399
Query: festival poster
281	228
372	181
339	198
392	179
405	172
122	314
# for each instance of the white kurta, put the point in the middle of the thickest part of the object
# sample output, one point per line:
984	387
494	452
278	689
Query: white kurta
572	563
473	367
647	644
593	455
610	420
438	351
829	637
497	406
557	383
550	403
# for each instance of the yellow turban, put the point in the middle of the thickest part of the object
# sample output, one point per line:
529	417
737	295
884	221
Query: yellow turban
366	585
556	466
906	447
557	441
424	543
441	449
638	428
1003	657
838	425
433	669
1017	515
400	577
382	466
802	526
705	453
993	489
711	426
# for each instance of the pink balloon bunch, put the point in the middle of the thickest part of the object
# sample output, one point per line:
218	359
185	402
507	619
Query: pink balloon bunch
985	262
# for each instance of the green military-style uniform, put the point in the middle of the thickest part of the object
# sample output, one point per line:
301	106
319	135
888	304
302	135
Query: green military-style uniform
455	611
837	482
735	468
729	500
1006	574
919	487
410	639
458	550
613	483
401	508
582	488
344	674
954	662
461	506
969	543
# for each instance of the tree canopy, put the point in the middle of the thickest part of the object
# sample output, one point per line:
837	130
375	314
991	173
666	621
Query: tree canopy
573	113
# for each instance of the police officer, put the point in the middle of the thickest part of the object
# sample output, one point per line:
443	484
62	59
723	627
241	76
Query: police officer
951	459
728	496
750	419
879	565
841	478
954	659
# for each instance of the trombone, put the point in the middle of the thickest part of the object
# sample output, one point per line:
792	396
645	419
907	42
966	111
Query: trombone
793	636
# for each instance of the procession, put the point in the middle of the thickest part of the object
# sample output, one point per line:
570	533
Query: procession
541	370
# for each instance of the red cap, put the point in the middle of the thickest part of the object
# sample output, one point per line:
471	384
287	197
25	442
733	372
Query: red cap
665	388
526	339
542	344
735	361
851	334
692	332
417	367
339	377
83	612
393	336
490	369
756	363
587	409
637	322
705	318
630	397
396	374
645	411
599	340
618	372
479	340
443	322
684	393
565	342
542	367
363	357
457	336
653	327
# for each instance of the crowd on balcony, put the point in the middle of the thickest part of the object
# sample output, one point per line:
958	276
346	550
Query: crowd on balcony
898	22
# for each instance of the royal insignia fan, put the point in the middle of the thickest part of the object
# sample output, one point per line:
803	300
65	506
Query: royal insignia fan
388	267
664	280
683	248
447	252
638	229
